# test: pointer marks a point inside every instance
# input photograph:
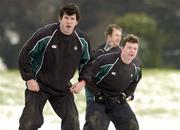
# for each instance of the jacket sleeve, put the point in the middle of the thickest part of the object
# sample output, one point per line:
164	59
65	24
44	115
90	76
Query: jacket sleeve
24	60
92	87
130	90
85	61
95	70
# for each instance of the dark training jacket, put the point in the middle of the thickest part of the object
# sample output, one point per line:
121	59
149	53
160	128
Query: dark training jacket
52	57
112	76
104	49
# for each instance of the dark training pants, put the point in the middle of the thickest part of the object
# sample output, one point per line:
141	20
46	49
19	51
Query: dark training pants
96	118
121	115
64	106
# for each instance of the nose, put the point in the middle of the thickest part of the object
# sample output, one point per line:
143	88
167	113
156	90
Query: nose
68	20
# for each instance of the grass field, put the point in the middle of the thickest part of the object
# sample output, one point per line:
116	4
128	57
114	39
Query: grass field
156	104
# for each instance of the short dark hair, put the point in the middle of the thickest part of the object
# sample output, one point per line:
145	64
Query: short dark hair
130	38
109	29
70	9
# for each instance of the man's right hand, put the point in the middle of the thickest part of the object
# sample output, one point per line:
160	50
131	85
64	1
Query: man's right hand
100	98
32	85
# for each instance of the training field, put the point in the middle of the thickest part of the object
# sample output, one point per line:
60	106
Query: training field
156	104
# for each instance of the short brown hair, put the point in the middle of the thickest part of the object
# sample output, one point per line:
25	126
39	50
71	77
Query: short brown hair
70	9
109	29
130	38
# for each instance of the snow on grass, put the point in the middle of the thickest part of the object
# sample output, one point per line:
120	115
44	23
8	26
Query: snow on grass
156	103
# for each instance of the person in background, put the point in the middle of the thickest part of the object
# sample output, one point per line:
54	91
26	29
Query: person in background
47	62
113	34
115	78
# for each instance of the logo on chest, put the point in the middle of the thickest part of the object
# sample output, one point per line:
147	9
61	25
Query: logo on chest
131	75
75	48
113	73
54	46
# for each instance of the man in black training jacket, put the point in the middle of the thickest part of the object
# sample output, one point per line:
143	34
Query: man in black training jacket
47	62
115	78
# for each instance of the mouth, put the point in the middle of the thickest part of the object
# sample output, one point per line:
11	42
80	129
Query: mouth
131	55
68	27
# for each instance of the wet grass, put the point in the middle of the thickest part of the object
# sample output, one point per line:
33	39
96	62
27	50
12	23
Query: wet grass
157	93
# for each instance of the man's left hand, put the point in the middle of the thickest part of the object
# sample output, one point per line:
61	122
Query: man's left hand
77	87
121	98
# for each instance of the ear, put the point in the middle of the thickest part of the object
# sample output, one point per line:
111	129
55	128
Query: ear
77	23
109	38
60	19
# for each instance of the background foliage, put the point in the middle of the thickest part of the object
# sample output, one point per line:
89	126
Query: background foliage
155	22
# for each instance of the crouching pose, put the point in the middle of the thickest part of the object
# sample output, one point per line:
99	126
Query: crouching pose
115	78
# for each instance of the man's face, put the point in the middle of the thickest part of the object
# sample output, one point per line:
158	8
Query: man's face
67	23
115	38
130	51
